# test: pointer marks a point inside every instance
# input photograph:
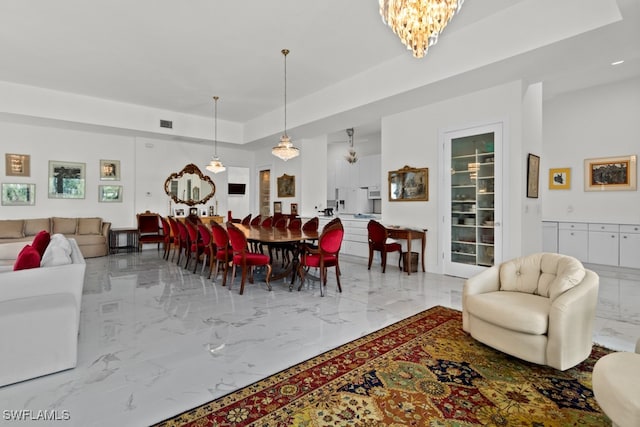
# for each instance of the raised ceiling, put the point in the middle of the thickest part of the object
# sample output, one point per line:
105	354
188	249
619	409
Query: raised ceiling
344	64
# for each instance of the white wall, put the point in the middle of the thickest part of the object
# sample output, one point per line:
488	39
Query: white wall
603	121
314	177
265	160
145	164
412	138
240	204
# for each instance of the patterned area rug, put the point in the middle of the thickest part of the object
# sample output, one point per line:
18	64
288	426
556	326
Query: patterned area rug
421	371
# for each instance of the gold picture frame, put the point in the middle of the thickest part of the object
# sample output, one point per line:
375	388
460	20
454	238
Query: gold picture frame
611	174
17	164
560	179
286	186
277	207
294	209
409	185
110	170
533	176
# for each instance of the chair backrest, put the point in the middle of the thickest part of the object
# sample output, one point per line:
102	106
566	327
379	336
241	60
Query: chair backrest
280	222
192	230
377	232
175	229
166	227
311	225
330	240
237	239
267	222
331	223
246	220
182	229
205	235
295	224
220	236
148	222
256	220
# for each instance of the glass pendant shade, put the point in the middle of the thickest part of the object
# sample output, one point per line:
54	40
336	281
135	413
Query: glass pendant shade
418	23
215	165
285	149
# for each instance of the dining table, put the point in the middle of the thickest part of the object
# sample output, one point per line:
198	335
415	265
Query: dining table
280	236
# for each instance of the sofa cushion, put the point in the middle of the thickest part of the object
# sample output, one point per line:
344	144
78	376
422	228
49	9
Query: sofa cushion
35	225
57	253
27	258
89	225
517	311
41	241
64	225
11	228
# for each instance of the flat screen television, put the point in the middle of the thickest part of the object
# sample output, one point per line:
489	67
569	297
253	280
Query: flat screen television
236	188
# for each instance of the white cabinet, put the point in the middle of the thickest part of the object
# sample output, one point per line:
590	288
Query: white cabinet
369	171
549	236
573	239
603	244
355	241
630	246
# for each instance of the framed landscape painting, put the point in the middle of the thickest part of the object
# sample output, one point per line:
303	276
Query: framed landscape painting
109	193
610	174
66	180
409	184
18	194
533	175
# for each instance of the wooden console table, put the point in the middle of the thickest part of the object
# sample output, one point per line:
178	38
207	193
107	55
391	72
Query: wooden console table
409	234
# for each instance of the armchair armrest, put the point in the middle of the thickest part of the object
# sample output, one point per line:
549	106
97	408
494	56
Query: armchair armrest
106	227
571	318
487	281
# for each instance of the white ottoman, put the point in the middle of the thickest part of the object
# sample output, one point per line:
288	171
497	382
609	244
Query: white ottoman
616	386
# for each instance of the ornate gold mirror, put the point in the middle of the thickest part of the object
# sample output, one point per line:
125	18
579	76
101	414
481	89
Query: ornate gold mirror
189	186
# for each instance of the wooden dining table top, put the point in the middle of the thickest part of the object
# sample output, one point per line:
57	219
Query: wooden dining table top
276	235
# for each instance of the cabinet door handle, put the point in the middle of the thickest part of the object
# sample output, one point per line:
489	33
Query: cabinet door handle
624	237
572	233
613	236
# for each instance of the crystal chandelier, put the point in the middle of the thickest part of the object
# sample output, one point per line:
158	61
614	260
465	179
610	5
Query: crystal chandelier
418	23
285	149
215	165
352	156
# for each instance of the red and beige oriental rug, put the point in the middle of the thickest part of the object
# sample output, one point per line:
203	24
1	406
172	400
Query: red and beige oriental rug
421	371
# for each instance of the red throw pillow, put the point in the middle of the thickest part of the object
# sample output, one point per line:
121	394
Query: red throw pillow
27	258
41	241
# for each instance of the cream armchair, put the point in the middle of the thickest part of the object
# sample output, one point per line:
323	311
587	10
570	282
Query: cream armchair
539	308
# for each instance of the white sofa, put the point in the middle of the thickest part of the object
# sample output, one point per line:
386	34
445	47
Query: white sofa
539	308
39	315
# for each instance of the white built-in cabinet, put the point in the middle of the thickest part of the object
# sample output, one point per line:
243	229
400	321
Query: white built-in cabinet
366	172
596	243
355	240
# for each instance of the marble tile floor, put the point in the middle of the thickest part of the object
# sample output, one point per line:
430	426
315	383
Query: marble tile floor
156	340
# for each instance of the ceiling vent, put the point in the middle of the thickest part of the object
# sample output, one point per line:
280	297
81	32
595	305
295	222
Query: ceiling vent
166	124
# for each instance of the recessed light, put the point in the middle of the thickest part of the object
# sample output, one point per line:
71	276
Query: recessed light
617	62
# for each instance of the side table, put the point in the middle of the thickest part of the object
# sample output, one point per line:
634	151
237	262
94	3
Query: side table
131	240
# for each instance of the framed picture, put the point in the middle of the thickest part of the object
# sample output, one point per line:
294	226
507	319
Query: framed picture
17	164
533	175
286	186
294	209
610	174
110	170
178	211
560	179
409	184
277	207
66	180
109	193
18	194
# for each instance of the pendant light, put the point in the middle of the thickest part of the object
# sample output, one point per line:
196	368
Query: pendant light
285	149
215	165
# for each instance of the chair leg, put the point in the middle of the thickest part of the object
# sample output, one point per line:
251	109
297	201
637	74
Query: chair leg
338	279
244	276
225	270
233	276
268	278
370	257
384	261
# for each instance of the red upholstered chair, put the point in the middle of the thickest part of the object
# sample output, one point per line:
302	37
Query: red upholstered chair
311	225
245	259
295	224
149	230
195	246
246	220
169	239
281	222
175	231
378	242
208	248
256	220
184	240
324	256
224	253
